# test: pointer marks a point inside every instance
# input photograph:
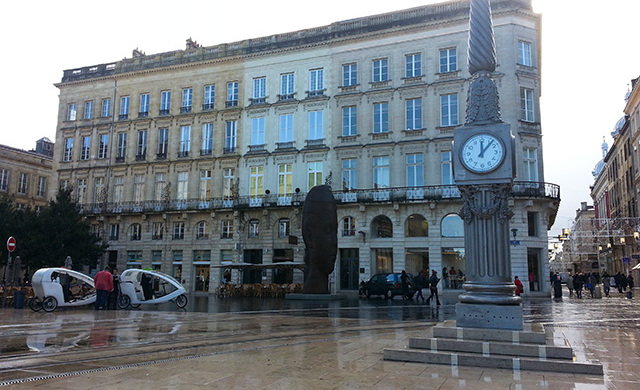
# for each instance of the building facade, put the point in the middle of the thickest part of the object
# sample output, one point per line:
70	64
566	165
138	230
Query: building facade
27	176
190	160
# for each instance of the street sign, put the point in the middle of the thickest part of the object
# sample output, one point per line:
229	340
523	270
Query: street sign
514	242
11	244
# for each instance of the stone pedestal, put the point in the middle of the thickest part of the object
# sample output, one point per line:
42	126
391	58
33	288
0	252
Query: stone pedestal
489	316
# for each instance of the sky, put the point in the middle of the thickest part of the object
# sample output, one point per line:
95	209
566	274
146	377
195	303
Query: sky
588	60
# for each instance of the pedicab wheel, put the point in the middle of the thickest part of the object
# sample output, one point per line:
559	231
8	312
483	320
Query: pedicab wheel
135	305
49	304
124	301
181	301
35	304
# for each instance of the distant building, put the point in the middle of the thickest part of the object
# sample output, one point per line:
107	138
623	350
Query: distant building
190	160
26	176
44	146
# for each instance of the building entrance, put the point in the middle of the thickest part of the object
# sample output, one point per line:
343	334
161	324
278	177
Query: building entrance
250	276
349	268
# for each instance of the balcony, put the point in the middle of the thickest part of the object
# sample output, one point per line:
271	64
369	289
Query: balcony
120	159
286	97
205	152
143	114
258	100
315	143
164	112
257	148
316	93
185	109
123	117
141	157
161	156
231	103
207	107
284	145
229	150
183	153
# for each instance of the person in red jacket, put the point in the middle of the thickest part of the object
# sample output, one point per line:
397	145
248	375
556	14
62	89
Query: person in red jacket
104	284
519	286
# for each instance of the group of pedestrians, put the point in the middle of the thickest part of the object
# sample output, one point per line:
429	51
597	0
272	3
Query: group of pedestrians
421	281
588	281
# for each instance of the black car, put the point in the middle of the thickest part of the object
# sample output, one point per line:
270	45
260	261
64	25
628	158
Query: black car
387	285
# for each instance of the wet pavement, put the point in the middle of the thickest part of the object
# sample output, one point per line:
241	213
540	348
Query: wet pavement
284	344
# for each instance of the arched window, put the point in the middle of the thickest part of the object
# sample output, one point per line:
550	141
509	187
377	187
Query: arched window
348	227
452	226
416	226
381	227
136	232
201	231
283	227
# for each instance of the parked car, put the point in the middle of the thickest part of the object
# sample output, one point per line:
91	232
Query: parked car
387	285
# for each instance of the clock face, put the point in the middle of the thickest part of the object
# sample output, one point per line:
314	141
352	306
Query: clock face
482	153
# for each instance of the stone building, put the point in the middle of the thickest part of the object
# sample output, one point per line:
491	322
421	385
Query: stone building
27	176
190	160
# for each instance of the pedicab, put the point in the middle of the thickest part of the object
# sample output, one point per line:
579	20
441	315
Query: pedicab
52	291
137	287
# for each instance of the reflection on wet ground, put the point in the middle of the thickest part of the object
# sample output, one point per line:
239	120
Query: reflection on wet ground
291	344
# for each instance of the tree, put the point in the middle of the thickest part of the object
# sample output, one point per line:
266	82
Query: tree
7	223
56	232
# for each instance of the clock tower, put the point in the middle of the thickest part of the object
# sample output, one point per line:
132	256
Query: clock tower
484	167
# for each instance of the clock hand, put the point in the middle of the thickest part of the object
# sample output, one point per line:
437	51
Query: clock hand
484	148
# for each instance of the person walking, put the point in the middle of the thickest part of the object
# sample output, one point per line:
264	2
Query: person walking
606	283
419	282
578	281
113	295
104	284
618	278
591	284
519	286
405	280
570	284
433	286
445	277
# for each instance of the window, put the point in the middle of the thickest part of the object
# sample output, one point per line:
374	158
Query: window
315	125
122	147
380	70
183	185
81	191
228	178
205	185
381	172
286	128
88	109
227	228
114	231
314	174
207	139
287	88
414	114
284	179
381	227
68	149
413	65
349	75
316	82
256	178
4	179
141	145
99	194
71	112
283	227
381	117
124	108
349	121
452	226
178	230
349	174
446	168
232	94
259	90
526	104
201	231
448	60
106	108
530	164
23	184
161	180
532	223
163	142
415	170
86	148
165	102
136	232
254	228
103	146
138	188
416	226
144	105
449	110
118	189
348	226
524	53
257	131
42	187
230	136
187	100
209	97
157	231
185	141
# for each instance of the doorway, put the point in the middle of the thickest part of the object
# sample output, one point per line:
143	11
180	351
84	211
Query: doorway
250	276
533	266
349	268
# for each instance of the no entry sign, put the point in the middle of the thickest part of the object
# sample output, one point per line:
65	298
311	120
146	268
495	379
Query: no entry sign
11	244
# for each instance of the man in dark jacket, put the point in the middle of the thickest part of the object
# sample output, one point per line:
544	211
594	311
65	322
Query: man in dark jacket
433	286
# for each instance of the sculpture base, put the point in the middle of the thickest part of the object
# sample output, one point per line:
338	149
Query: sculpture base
489	316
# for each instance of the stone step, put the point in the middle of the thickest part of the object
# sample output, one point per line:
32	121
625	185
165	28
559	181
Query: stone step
487	349
532	334
494	361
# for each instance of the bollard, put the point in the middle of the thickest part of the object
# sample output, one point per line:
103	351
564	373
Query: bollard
18	299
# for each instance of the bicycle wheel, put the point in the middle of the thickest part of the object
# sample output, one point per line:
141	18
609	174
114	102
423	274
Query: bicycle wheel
181	301
49	304
35	304
124	301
